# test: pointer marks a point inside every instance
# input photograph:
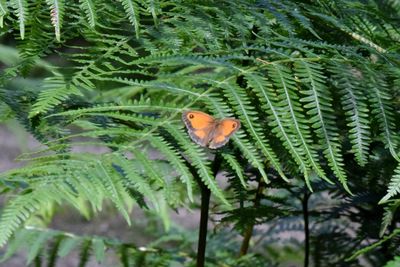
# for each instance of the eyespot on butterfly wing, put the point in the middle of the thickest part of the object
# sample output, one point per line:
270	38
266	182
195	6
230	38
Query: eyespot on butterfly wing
224	130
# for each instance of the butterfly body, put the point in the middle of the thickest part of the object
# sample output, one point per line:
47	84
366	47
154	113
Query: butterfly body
207	131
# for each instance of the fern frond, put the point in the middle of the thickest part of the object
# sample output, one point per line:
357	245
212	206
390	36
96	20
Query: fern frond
379	98
266	95
198	159
316	100
175	159
99	249
68	244
388	215
20	209
154	8
55	91
142	105
89	7
37	245
291	115
248	117
355	106
132	10
113	185
235	165
84	252
57	15
134	179
21	10
3	12
149	169
219	107
373	245
394	186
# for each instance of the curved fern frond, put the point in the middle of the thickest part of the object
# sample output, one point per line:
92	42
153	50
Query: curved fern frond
394	186
57	14
135	179
317	97
291	115
175	159
355	107
250	152
379	98
3	12
388	216
235	165
112	185
198	159
248	117
88	6
20	209
132	10
266	95
21	10
55	91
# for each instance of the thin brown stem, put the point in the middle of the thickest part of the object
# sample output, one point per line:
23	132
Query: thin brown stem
204	210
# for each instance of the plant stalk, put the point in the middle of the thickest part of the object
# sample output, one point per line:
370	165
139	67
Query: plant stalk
306	229
205	204
202	241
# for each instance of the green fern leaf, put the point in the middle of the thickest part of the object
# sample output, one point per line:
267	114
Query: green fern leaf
266	95
54	92
85	253
18	241
388	216
136	180
248	118
394	186
235	165
292	117
99	249
199	160
88	6
316	100
57	14
21	9
132	10
249	151
379	97
21	208
153	7
113	185
175	159
37	245
3	11
149	168
356	111
67	245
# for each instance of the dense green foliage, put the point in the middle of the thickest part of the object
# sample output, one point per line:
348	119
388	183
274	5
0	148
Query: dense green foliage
315	85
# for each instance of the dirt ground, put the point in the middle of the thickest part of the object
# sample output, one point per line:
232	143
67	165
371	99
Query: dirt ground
14	141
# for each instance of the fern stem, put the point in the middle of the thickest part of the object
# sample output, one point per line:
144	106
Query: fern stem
202	242
249	231
306	227
205	203
265	62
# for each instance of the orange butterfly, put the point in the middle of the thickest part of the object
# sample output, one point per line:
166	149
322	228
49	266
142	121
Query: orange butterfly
207	131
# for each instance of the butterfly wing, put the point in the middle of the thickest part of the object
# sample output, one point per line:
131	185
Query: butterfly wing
200	125
224	129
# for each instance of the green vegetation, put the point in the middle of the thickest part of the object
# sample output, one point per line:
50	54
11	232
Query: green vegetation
315	84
